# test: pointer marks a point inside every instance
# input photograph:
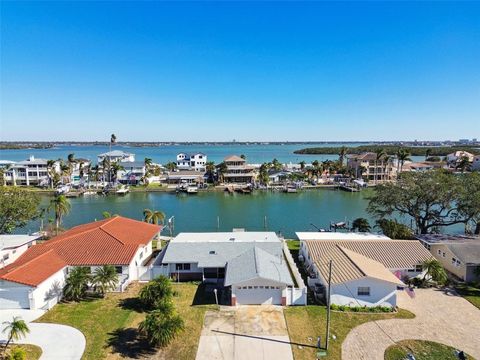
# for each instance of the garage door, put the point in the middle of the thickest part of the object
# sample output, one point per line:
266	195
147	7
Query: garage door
257	295
14	299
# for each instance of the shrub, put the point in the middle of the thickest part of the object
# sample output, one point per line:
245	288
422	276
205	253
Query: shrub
334	307
155	290
160	329
17	353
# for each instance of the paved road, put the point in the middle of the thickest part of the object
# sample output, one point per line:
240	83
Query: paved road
58	342
244	333
441	317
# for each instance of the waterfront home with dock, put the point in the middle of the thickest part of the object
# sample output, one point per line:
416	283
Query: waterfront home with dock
255	267
366	268
36	279
30	172
194	162
238	171
368	167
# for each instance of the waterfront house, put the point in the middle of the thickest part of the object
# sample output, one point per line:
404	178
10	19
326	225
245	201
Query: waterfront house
185	177
256	267
238	171
12	246
476	163
368	167
454	158
458	254
422	166
30	172
116	156
36	279
193	162
132	172
366	268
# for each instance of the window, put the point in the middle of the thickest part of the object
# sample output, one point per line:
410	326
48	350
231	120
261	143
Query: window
178	266
118	269
140	255
443	254
411	270
186	266
439	252
454	261
418	268
6	256
363	291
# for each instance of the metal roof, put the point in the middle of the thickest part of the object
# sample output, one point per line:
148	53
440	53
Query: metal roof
233	236
468	253
391	254
327	235
447	238
257	263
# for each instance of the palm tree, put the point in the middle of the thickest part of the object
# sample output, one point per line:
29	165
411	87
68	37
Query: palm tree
71	158
171	166
361	225
276	165
427	153
51	171
107	214
386	168
263	175
379	154
65	171
243	157
148	162
221	170
76	284
402	156
341	155
115	168
113	139
155	290
210	169
153	216
105	279
434	269
161	328
302	165
463	164
16	329
61	207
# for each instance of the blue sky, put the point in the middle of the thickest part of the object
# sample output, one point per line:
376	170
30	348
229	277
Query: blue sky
158	71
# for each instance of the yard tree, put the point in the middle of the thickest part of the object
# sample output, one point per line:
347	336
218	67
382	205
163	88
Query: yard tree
76	284
161	328
360	225
15	330
155	290
434	269
432	199
395	230
105	279
153	216
17	208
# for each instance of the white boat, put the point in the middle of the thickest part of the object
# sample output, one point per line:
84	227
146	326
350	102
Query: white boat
89	192
192	189
291	189
61	190
122	190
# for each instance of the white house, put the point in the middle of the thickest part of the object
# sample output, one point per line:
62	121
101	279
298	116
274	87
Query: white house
455	157
366	269
30	172
255	266
116	156
36	279
476	163
195	162
12	246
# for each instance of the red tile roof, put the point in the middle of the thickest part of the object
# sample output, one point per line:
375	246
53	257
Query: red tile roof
112	241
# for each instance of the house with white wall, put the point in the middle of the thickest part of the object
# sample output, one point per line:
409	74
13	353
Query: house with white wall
366	268
254	266
194	162
116	156
30	172
476	163
12	246
454	158
36	279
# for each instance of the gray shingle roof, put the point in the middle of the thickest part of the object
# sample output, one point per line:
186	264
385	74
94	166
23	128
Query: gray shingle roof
257	263
468	253
215	253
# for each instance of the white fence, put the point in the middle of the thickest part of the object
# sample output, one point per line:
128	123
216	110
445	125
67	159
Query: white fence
295	296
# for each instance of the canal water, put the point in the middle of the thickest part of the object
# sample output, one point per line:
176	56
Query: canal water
216	210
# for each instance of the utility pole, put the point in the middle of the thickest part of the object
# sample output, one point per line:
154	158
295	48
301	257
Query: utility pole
328	303
265	222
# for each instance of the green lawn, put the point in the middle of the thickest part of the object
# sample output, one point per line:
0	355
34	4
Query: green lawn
470	293
306	323
422	350
293	245
110	324
33	352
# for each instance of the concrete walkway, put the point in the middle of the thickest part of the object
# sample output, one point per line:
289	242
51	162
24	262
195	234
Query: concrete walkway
245	333
442	317
57	341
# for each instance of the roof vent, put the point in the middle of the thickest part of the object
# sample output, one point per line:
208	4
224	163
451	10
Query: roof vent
232	239
212	252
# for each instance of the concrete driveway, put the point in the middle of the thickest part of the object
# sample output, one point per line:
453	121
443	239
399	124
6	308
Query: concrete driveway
57	341
243	333
440	316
